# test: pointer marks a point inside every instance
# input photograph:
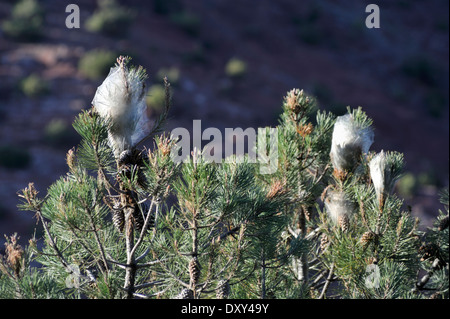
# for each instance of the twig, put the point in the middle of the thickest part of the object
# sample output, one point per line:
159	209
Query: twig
316	282
158	292
53	245
120	265
151	263
327	282
149	284
97	239
127	201
424	280
263	279
313	233
142	296
145	253
144	228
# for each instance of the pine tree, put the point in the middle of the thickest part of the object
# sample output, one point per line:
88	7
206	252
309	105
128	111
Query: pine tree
130	222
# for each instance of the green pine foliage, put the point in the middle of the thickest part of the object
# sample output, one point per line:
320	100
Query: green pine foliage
141	225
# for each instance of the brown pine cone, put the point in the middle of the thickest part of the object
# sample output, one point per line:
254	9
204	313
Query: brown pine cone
367	238
324	242
194	270
344	222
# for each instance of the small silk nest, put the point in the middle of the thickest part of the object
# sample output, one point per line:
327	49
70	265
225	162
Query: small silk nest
349	142
121	100
338	206
384	169
379	175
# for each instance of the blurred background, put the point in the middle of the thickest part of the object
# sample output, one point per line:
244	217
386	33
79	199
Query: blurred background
230	64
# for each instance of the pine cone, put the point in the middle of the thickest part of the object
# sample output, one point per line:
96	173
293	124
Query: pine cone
367	238
324	242
139	217
308	212
194	270
133	157
133	161
223	289
118	217
185	294
443	223
344	222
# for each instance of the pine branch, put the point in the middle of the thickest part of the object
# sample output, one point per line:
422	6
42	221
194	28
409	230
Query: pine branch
144	228
141	296
327	282
149	284
420	285
144	254
97	239
316	283
120	265
53	244
173	276
263	279
153	262
130	273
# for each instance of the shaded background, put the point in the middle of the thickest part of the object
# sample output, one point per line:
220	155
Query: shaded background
230	64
